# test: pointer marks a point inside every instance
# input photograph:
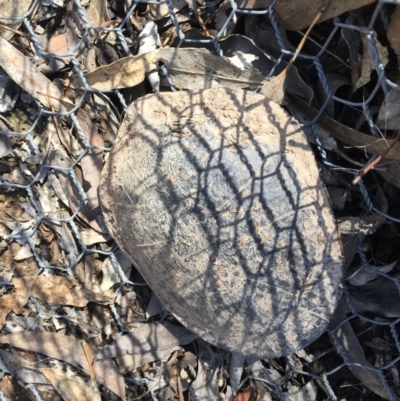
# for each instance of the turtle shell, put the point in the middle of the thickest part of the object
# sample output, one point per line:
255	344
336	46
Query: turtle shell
216	198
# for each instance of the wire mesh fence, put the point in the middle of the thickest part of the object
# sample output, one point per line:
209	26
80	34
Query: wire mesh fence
40	170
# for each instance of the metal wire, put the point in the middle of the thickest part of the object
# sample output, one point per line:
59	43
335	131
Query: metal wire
25	234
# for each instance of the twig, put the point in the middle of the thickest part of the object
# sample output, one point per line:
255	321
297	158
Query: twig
274	89
180	389
371	164
12	30
307	34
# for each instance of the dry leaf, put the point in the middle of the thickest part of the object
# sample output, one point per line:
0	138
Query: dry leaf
368	273
28	77
58	45
274	88
188	68
160	11
205	387
15	9
92	162
69	291
389	113
196	69
349	136
110	275
390	171
305	393
353	40
91	237
149	39
352	352
380	296
76	28
234	44
69	385
97	12
252	394
149	337
20	369
60	158
67	349
6	143
124	73
335	81
298	14
367	63
393	31
236	371
128	363
154	307
9	303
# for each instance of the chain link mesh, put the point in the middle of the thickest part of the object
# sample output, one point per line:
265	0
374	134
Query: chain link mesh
27	184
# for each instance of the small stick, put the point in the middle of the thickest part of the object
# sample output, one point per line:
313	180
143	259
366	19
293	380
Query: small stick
370	165
12	30
307	34
272	89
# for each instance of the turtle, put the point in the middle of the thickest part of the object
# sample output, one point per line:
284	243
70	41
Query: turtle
216	198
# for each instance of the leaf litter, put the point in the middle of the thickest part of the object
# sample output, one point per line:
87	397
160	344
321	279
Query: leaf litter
165	362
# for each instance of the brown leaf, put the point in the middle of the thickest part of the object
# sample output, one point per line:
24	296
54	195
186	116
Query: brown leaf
367	62
69	385
250	394
349	136
97	12
196	69
236	371
68	349
380	296
58	44
28	77
160	11
60	158
390	171
92	162
273	89
127	363
351	351
205	387
69	291
9	303
368	273
15	8
124	73
353	40
263	63
151	337
188	69
297	15
389	113
46	233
